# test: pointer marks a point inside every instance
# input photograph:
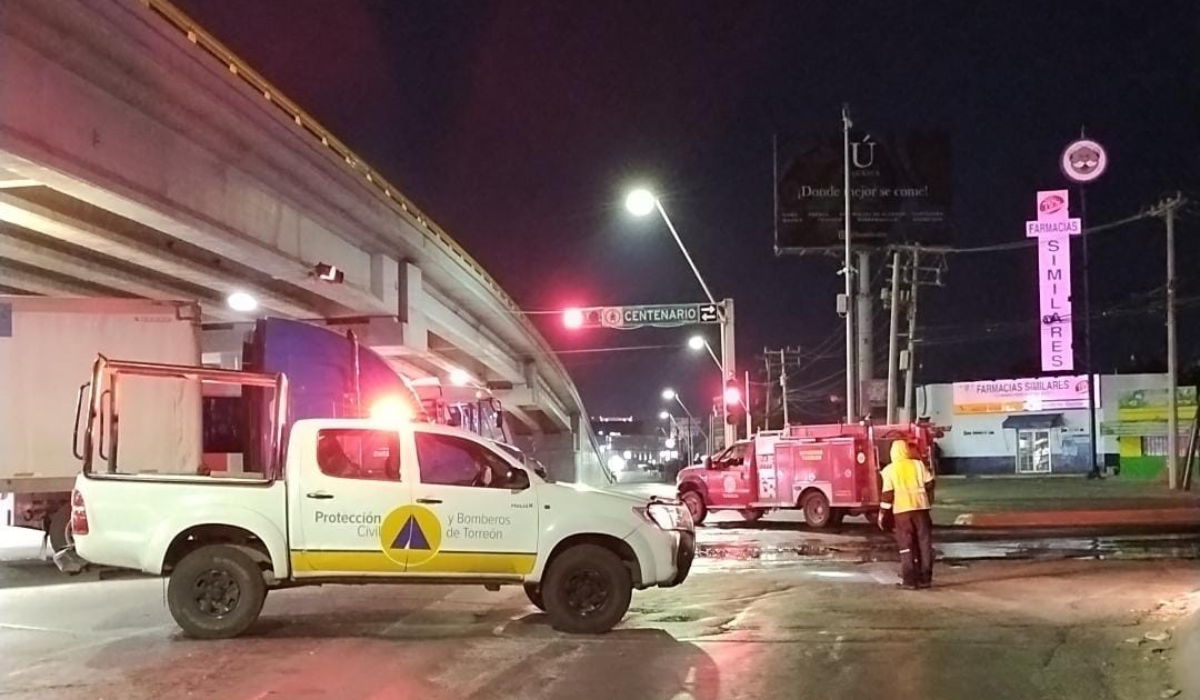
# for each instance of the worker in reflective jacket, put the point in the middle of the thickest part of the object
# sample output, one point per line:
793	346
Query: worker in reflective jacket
908	496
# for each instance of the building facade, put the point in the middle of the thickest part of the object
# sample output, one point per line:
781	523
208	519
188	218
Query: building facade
1042	425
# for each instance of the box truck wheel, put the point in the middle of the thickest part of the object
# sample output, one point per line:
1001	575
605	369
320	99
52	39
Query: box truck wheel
587	590
216	592
60	529
695	505
534	593
817	512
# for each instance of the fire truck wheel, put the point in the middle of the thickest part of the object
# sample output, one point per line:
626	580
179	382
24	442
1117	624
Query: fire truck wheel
753	515
695	505
817	513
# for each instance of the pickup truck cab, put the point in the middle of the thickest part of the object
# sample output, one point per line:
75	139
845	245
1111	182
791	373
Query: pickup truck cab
358	501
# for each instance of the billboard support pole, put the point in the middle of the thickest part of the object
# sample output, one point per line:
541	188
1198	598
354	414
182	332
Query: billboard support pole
848	273
893	339
866	333
1087	339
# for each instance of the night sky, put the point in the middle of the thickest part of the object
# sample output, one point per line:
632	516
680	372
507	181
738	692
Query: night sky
519	125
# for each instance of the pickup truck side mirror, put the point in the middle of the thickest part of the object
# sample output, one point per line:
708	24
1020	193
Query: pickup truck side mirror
708	463
518	480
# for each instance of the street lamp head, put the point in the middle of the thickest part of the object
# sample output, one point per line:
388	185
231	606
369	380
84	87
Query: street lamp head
459	377
697	342
640	202
668	394
663	415
241	301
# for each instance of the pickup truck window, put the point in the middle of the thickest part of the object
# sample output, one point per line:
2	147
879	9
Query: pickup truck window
359	454
453	461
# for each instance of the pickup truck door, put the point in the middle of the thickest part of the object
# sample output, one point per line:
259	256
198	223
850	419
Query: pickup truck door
484	514
729	479
350	481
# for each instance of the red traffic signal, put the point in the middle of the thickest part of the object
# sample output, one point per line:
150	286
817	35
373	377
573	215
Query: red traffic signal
573	319
735	407
733	393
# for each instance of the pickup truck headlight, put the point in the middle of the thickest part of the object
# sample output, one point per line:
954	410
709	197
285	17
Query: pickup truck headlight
667	516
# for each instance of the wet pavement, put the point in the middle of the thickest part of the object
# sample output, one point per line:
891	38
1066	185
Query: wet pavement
989	630
769	612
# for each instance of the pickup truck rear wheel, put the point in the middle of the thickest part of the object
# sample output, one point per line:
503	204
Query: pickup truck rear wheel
695	505
534	594
587	590
60	529
216	592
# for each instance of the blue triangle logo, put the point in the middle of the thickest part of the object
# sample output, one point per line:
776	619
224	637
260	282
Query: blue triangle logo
411	536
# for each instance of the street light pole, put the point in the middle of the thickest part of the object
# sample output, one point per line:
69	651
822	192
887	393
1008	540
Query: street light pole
687	256
669	394
640	202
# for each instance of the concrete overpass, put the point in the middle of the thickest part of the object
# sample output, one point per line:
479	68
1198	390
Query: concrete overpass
139	157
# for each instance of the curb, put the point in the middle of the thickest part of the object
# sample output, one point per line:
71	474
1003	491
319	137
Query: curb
1081	518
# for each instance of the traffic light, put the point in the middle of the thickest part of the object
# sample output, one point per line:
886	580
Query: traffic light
735	407
573	319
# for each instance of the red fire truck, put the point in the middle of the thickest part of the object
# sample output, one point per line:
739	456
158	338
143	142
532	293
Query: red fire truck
828	471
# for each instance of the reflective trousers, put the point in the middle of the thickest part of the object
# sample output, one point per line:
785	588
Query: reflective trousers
914	539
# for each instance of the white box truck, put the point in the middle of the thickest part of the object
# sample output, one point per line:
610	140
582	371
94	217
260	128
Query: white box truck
46	349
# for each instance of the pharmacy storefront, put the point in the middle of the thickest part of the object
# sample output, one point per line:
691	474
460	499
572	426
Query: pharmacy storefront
1028	426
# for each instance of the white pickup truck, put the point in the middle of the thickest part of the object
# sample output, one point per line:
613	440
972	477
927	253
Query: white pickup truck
349	501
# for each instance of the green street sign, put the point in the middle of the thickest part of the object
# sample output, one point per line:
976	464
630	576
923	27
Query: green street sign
650	315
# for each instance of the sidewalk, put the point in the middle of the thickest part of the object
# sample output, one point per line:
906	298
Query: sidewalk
1052	502
1061	502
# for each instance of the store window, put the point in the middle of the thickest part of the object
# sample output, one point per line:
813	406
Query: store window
1156	446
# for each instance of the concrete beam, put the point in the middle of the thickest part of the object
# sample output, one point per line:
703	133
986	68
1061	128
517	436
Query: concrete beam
519	413
471	339
24	214
28	253
36	284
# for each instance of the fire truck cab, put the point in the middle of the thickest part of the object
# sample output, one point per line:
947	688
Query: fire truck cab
828	471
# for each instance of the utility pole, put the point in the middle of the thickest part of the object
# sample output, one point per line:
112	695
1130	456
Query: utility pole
893	339
911	368
848	272
1168	211
783	386
866	335
767	402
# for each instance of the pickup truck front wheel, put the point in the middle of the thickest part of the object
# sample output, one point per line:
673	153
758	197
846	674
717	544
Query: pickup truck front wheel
534	594
216	592
587	590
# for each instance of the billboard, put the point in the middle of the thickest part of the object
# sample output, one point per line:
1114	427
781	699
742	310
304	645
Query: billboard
1052	229
1021	395
900	189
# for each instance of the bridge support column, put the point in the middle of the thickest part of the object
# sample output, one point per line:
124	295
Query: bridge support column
409	297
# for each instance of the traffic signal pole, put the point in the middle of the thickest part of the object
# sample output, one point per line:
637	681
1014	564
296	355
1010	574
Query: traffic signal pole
728	363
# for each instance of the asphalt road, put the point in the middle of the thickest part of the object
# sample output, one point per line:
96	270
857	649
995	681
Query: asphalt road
749	627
